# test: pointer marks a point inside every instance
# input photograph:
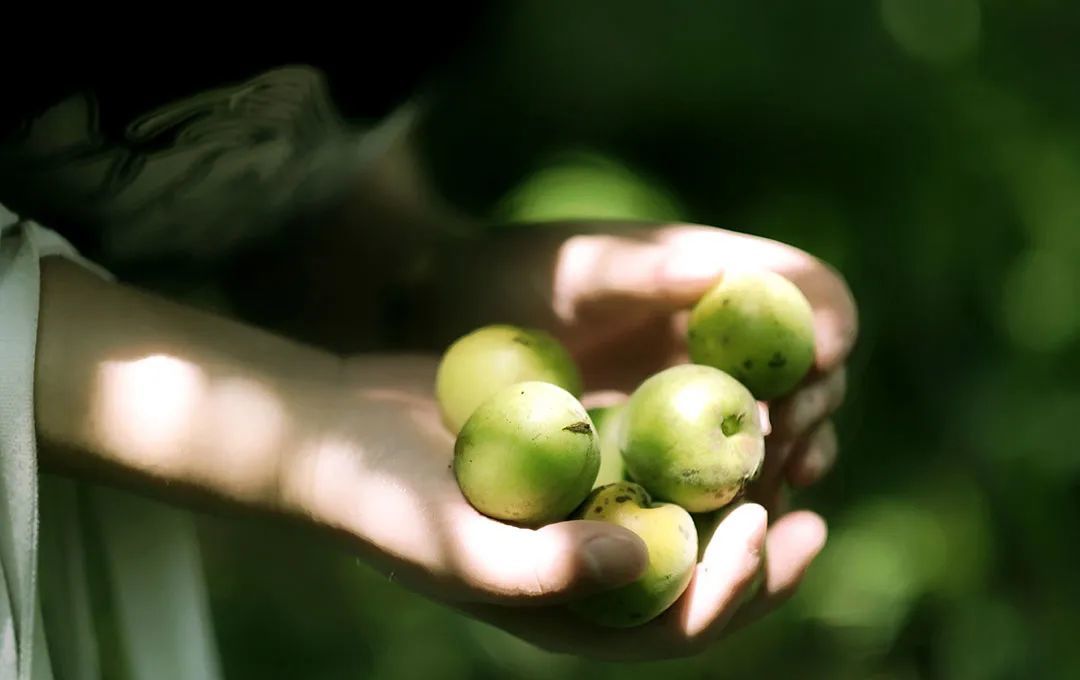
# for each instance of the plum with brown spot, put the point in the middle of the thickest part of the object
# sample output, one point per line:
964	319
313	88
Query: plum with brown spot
528	455
669	536
759	327
692	435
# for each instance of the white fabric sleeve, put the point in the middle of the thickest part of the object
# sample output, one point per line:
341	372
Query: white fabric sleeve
151	557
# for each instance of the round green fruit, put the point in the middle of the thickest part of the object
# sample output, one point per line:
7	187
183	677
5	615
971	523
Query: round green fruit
529	454
692	435
485	361
669	535
758	327
607	420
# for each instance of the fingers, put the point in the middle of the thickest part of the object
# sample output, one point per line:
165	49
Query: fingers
730	563
510	565
793	543
671	267
603	399
814	458
794	416
729	572
766	418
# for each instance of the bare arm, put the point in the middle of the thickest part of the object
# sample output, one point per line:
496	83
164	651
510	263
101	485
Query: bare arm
136	388
171	399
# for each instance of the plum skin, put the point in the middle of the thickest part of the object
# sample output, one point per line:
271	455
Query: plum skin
528	455
756	326
692	435
671	540
480	363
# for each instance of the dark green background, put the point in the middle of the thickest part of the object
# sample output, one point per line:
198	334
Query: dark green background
930	150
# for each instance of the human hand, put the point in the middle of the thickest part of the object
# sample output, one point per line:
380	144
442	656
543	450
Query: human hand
619	296
379	476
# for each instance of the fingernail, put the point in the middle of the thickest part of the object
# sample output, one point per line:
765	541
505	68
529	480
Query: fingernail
612	559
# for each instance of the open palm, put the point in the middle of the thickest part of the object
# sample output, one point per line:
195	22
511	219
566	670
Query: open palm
380	479
617	295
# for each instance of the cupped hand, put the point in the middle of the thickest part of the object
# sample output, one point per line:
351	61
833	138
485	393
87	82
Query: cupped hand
619	294
380	478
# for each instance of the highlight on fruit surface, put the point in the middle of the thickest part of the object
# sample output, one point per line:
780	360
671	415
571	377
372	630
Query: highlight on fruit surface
671	540
529	454
756	326
488	359
692	435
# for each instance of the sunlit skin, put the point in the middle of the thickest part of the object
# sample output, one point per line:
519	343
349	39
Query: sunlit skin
355	447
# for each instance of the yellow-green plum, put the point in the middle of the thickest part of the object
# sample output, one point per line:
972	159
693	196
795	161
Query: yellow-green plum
671	541
528	455
488	359
692	435
607	420
756	326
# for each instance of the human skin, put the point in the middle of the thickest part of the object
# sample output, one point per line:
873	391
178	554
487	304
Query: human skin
137	390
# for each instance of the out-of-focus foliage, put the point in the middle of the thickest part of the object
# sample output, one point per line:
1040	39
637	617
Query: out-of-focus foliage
930	150
585	185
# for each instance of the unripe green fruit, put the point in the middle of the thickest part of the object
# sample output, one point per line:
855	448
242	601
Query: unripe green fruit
692	436
529	454
669	535
481	363
759	328
607	420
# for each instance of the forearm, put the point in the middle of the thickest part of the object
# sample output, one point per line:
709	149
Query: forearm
133	387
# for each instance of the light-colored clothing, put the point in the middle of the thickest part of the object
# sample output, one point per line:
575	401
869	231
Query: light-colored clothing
155	591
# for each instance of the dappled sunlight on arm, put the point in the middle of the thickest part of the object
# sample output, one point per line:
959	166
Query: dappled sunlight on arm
149	405
169	417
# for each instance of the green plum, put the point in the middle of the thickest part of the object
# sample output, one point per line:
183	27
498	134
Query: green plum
529	454
488	359
692	435
607	420
758	327
669	535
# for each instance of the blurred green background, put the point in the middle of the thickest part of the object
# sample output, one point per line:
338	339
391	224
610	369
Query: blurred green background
930	150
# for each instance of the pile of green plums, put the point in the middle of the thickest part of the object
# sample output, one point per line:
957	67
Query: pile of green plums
688	440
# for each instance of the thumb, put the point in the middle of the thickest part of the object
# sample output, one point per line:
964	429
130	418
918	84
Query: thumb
554	564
